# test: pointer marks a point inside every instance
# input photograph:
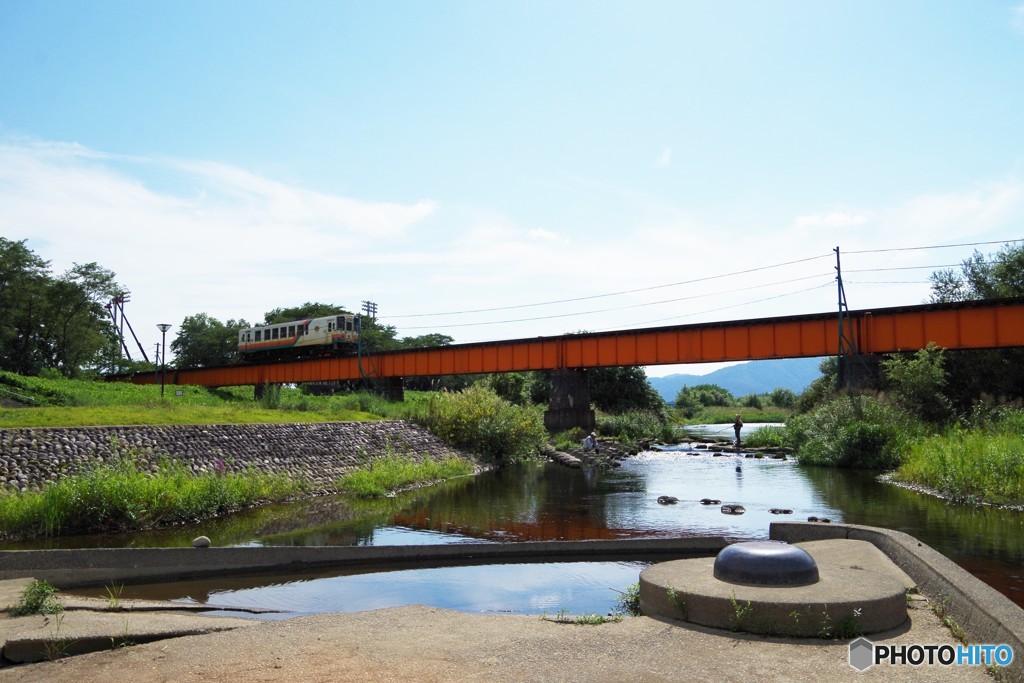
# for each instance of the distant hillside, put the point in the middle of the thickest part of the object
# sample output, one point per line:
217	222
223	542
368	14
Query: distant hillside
755	377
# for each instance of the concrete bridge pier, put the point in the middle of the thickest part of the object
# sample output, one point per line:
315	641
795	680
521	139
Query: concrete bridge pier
392	388
569	402
858	372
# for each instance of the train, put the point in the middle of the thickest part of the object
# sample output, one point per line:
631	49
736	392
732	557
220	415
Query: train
309	338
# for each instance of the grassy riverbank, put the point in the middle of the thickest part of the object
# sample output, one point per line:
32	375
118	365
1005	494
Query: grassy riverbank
125	496
983	464
122	496
78	403
392	473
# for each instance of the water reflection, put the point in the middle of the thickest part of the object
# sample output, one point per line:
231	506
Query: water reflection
536	502
577	587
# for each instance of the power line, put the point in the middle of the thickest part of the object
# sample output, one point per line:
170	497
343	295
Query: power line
608	294
650	303
687	282
933	246
879	270
724	308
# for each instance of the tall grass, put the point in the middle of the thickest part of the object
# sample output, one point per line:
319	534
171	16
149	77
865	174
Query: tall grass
123	497
726	414
480	421
634	426
767	437
970	465
392	472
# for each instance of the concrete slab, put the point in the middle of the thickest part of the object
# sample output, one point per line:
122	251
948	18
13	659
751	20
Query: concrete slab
848	599
37	637
11	591
855	555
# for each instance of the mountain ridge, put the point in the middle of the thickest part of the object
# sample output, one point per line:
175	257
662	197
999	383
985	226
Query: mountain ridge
753	377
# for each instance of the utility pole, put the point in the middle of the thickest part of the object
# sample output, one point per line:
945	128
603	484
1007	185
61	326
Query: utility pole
163	336
847	344
370	309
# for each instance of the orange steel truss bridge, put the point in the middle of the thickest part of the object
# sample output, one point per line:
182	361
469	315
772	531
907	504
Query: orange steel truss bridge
963	325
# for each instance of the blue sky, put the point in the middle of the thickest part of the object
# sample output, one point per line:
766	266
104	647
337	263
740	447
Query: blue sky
650	161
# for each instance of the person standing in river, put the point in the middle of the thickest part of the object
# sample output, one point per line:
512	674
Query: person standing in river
737	426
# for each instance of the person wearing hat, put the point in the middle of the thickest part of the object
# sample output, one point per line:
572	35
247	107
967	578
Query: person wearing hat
590	443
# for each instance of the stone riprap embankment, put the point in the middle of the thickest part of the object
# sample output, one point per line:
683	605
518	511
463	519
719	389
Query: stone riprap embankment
319	451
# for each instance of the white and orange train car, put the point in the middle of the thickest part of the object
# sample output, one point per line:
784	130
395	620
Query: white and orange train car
335	334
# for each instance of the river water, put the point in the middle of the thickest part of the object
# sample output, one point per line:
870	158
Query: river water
543	501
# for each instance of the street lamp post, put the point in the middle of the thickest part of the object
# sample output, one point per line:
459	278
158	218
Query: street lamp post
163	337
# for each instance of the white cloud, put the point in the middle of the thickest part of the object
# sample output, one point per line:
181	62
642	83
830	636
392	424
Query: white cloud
1017	19
542	234
222	241
665	158
833	219
188	236
965	213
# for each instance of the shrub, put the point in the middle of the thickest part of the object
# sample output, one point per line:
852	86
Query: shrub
39	597
766	437
511	386
569	439
751	401
916	383
480	421
782	398
633	426
691	399
852	431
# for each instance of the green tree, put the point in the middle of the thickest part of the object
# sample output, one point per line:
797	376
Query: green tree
203	341
690	400
510	386
973	375
622	389
823	388
916	383
982	277
24	279
782	397
306	310
79	328
426	341
751	401
57	323
376	337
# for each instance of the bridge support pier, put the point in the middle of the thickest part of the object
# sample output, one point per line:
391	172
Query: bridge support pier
392	388
858	372
569	403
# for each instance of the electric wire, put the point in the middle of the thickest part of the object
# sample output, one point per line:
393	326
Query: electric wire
721	308
695	281
619	293
933	246
641	305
